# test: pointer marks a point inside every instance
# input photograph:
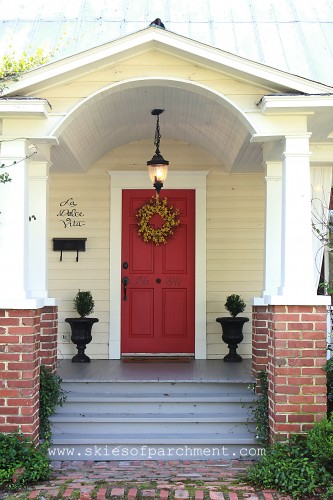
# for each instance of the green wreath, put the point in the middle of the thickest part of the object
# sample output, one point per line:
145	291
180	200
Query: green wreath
169	215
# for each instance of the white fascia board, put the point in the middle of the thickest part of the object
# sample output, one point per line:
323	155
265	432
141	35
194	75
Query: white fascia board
52	140
305	104
244	69
23	108
169	42
279	134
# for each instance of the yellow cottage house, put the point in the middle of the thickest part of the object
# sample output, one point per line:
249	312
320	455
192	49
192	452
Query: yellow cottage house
250	158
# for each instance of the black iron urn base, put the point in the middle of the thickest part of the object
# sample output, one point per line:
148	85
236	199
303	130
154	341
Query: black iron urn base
81	336
232	335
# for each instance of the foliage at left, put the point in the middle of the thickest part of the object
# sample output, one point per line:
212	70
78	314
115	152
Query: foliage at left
21	462
50	396
12	67
4	177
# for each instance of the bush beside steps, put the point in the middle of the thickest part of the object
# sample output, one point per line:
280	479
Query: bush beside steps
302	467
21	461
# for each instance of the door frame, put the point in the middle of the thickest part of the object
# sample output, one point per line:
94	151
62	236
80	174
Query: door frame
140	180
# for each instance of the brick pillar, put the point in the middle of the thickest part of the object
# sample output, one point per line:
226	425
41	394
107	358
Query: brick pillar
260	320
49	337
296	354
19	371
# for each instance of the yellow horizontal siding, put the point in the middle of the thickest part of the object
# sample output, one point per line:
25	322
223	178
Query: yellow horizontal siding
91	193
235	242
234	265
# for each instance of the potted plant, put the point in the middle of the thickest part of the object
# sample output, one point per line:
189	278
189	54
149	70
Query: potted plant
232	327
81	327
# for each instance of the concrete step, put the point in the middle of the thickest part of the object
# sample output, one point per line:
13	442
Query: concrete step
128	416
155	403
161	425
157	387
150	446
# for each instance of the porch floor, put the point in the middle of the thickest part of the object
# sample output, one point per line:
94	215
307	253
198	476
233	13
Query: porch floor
114	370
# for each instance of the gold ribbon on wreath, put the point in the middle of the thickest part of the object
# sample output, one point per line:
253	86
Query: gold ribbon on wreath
169	215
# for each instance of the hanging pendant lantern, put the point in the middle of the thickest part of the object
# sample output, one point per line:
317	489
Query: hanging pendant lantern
157	166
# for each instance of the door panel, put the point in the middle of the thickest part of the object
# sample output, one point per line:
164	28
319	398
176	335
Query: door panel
157	316
174	313
141	304
175	253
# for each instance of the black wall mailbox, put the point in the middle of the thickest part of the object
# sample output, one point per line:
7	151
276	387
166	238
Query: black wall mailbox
69	245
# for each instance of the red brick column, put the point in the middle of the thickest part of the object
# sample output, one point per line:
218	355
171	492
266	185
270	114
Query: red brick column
49	337
260	320
296	354
19	371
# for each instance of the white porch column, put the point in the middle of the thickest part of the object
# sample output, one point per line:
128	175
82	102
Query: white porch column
297	284
38	224
272	270
14	222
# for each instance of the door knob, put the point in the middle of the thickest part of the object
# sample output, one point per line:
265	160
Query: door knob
158	280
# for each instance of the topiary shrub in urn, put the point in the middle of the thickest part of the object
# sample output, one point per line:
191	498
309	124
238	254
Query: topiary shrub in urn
81	327
232	327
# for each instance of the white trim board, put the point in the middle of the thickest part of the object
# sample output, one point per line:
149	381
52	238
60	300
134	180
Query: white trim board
140	180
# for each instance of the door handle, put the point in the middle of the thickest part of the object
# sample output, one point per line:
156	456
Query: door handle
125	281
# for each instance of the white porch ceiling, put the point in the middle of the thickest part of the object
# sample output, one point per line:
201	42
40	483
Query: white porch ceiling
113	119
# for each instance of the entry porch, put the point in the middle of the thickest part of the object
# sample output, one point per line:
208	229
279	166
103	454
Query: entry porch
121	410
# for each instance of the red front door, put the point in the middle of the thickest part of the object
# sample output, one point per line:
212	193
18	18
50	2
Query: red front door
157	313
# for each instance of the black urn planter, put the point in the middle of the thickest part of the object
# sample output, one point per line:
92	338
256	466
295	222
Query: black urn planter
81	336
232	335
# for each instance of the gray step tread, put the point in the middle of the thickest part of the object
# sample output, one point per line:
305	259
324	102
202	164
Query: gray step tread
151	438
148	417
159	379
155	397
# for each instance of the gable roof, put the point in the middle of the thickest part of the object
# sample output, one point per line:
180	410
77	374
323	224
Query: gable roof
101	116
165	41
295	36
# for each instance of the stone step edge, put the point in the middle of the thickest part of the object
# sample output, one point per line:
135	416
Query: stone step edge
134	418
107	398
174	439
214	381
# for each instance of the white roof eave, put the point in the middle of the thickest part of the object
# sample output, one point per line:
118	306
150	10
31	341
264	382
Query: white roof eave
273	104
36	108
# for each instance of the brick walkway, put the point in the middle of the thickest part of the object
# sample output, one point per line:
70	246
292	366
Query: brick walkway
215	480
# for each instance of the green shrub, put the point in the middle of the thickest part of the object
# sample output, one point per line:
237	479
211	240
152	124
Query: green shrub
259	411
288	468
50	396
320	441
234	305
21	462
83	303
329	369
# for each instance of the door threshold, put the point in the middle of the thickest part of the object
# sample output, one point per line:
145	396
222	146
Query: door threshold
157	358
157	355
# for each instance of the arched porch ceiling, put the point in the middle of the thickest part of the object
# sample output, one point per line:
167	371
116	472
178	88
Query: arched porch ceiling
117	116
